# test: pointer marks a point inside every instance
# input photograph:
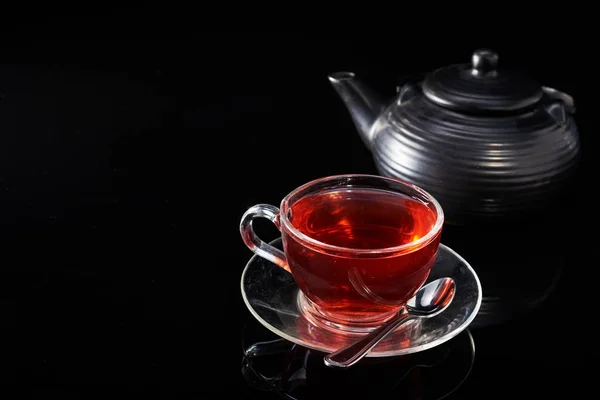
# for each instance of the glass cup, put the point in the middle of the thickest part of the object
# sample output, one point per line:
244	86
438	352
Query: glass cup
358	246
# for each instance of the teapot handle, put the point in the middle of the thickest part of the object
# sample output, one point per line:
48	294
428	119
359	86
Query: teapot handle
567	100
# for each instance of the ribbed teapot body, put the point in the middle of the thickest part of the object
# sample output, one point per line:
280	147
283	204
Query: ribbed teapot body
479	166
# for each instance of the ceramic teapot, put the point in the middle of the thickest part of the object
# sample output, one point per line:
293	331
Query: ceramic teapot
487	142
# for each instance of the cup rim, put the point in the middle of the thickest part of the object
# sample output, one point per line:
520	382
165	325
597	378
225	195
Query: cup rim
417	244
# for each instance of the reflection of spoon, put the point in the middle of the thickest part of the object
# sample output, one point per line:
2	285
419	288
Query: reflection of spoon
359	285
429	301
294	372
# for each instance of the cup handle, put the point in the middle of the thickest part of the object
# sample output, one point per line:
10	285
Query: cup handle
252	240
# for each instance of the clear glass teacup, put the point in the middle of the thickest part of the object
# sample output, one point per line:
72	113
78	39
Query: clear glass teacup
358	246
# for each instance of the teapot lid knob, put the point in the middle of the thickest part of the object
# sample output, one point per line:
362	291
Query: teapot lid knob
484	61
481	86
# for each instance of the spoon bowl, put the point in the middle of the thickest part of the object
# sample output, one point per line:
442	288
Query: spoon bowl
432	298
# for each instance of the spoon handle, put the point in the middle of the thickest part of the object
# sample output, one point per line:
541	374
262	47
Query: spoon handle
351	354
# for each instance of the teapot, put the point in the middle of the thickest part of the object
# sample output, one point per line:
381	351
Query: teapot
489	143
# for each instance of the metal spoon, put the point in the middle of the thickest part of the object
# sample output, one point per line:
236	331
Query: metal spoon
429	301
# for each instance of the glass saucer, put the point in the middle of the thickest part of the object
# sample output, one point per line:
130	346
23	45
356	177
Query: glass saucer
271	295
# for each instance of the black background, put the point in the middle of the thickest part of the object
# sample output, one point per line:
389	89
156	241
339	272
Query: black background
128	153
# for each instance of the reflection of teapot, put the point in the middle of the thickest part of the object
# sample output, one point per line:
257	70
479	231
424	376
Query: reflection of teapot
486	142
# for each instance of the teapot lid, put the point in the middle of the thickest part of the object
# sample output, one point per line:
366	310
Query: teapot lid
481	86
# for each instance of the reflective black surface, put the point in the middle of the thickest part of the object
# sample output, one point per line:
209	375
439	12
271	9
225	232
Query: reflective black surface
127	161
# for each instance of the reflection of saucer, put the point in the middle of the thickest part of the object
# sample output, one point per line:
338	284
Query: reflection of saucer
270	294
294	372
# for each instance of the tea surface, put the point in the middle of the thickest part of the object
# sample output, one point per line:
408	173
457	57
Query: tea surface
362	219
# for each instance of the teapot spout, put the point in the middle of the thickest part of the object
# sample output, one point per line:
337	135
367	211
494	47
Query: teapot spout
363	104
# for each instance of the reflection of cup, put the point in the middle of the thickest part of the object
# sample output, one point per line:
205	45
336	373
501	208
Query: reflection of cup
358	246
270	363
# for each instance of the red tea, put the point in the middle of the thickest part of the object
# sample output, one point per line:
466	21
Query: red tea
358	286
